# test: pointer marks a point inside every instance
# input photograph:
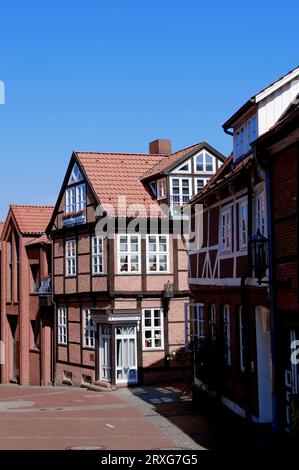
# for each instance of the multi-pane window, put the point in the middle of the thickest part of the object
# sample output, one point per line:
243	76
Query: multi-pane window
227	335
70	258
212	323
97	255
199	322
89	329
181	190
241	339
75	199
260	212
204	163
62	326
243	217
161	188
129	253
200	183
226	230
153	332
157	253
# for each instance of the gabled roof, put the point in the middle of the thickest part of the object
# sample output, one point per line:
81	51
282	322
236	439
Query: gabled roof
31	220
115	174
165	165
262	94
224	174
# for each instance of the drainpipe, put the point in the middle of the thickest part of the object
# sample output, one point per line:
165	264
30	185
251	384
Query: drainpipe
54	336
273	316
245	312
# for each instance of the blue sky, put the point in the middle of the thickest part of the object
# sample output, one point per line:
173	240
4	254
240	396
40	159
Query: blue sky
112	76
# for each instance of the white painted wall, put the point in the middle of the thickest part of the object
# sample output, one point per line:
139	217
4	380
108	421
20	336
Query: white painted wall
274	105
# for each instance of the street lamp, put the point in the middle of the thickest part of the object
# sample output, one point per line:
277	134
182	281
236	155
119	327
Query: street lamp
260	263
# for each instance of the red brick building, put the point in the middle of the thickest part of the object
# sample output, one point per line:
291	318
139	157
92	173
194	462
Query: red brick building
120	299
232	326
26	316
278	152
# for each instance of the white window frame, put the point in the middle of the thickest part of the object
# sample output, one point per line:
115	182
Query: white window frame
97	255
213	323
62	326
70	258
179	168
157	253
205	181
152	328
75	199
129	254
227	335
259	201
181	197
89	329
204	154
76	175
81	197
70	200
243	216
241	340
225	234
161	189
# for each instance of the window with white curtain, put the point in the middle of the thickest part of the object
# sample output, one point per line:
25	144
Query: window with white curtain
243	221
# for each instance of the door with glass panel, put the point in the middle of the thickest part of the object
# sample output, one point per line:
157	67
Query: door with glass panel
126	354
105	353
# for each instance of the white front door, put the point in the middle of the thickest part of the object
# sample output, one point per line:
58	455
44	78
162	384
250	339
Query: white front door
264	365
126	354
105	353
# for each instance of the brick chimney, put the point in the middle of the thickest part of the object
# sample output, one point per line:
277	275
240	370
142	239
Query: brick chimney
161	146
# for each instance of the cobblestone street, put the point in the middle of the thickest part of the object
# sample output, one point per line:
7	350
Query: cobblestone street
138	418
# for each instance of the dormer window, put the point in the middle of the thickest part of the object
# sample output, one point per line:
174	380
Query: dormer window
204	163
75	199
244	136
161	189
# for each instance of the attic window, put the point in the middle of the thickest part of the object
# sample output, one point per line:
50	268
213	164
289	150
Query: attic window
184	167
204	163
76	175
161	188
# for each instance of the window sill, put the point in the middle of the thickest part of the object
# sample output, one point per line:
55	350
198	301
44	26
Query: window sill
71	277
89	348
152	349
129	274
62	345
154	273
99	275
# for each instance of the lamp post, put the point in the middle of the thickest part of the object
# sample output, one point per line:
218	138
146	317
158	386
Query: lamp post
260	262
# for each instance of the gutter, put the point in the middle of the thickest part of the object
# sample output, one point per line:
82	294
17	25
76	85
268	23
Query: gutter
54	336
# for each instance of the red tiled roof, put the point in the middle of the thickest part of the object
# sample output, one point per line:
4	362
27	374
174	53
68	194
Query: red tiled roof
166	161
113	175
32	219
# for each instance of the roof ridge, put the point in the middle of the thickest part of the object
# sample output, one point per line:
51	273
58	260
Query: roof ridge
32	205
187	148
123	153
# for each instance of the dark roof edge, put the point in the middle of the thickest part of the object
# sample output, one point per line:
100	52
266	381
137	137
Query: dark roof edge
249	104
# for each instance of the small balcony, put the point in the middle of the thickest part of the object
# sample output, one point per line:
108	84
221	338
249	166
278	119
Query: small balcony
45	292
74	218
